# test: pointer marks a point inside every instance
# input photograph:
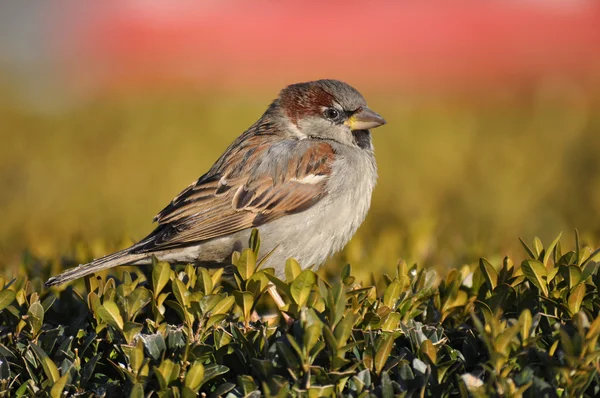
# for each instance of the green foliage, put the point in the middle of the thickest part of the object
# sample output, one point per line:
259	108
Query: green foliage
494	330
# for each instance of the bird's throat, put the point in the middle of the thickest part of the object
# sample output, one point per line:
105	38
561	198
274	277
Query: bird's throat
362	138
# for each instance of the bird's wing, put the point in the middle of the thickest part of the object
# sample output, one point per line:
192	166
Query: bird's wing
250	185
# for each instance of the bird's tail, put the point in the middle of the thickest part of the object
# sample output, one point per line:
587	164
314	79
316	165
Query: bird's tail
112	260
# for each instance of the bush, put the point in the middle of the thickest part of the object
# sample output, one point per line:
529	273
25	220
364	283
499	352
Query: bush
499	329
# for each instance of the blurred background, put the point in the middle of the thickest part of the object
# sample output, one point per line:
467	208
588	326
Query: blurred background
109	109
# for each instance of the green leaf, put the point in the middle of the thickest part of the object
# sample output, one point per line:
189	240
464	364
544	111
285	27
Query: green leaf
550	249
154	344
295	346
35	317
257	283
254	243
574	275
591	257
312	335
137	300
429	350
245	300
392	321
181	293
48	301
392	294
131	330
387	388
247	384
29	385
206	281
166	372
214	319
321	391
207	303
528	250
343	330
347	274
576	297
93	302
302	285
109	312
222	389
590	268
538	246
292	269
49	367
505	338
137	391
161	273
59	386
135	355
335	300
535	272
489	273
246	264
383	352
594	329
216	276
195	376
214	370
551	273
7	296
224	305
526	322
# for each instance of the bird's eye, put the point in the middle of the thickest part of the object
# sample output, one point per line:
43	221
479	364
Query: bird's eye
331	113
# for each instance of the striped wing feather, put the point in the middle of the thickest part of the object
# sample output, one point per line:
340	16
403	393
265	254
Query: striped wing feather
248	186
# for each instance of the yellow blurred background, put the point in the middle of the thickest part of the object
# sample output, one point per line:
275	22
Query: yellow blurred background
467	166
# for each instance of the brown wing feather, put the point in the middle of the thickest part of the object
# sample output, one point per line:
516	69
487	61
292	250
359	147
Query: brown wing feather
245	191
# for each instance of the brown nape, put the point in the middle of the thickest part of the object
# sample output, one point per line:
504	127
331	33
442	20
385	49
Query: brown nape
303	99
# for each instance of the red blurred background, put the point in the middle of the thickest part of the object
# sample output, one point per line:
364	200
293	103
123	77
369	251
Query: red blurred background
433	45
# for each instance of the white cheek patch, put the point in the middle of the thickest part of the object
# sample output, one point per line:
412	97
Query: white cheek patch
310	179
296	131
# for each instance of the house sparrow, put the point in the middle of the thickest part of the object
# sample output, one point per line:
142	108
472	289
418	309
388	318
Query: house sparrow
303	175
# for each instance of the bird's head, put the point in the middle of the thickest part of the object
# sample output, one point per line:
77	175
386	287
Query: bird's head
327	109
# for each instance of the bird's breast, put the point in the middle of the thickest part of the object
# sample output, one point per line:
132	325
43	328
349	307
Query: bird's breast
350	189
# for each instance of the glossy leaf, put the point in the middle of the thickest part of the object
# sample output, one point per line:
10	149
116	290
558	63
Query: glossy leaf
35	317
161	272
109	312
7	296
383	353
392	294
489	272
576	298
429	350
302	285
49	367
223	305
194	376
292	269
535	272
550	249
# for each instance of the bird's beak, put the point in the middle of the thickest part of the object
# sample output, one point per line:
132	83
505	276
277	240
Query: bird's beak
364	119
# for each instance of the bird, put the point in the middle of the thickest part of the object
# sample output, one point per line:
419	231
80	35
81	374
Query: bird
303	175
